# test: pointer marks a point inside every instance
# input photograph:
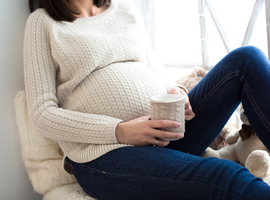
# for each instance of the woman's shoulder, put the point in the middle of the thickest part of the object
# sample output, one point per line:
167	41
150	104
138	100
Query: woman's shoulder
39	13
40	16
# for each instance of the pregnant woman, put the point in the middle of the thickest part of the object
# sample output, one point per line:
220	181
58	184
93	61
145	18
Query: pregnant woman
89	76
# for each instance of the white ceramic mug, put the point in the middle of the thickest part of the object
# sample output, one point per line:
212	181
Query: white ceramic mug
170	107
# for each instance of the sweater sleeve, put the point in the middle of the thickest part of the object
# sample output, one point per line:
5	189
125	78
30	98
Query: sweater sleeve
47	118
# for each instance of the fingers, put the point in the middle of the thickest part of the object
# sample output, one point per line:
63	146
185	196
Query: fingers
164	124
154	124
187	104
166	135
182	92
161	143
175	90
189	114
142	131
145	118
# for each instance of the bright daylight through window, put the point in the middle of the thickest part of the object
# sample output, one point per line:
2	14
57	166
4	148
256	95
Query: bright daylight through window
175	33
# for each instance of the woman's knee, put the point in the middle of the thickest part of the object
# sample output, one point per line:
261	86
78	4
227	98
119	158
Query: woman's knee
251	54
251	58
248	50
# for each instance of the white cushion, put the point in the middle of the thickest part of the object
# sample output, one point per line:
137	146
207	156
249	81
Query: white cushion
67	192
43	161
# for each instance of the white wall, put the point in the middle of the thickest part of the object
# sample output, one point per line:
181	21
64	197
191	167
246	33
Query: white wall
14	182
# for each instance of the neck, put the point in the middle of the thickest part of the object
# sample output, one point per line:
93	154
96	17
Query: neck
87	8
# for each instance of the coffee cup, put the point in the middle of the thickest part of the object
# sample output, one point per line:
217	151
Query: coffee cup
169	107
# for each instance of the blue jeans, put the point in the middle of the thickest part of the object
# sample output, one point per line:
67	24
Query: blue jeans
177	171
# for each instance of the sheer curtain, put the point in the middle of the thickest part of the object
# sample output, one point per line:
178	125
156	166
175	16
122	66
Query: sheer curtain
150	22
174	29
147	11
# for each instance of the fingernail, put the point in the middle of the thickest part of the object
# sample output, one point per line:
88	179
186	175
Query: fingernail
177	124
181	135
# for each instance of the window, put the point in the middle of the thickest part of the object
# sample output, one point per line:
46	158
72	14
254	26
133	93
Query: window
173	26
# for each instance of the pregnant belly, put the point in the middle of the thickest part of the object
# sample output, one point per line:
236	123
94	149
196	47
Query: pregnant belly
120	90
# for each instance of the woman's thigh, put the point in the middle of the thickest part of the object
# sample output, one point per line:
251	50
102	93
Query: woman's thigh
147	172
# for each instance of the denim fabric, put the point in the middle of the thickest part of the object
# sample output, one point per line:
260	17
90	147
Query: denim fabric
177	171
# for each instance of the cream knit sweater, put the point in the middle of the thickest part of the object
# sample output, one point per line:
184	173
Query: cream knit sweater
83	78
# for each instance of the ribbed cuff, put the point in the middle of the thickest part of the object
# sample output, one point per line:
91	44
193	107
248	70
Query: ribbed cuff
110	131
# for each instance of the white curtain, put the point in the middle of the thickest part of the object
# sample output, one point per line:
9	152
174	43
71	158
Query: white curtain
174	29
150	21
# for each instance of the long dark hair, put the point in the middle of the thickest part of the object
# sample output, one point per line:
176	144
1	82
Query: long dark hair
60	10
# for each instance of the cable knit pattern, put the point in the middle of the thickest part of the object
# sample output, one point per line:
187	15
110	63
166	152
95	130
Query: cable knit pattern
84	77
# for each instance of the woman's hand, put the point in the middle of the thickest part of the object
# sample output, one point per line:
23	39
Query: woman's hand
189	114
143	131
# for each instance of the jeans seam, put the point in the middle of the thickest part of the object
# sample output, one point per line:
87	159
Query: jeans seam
219	84
253	102
85	166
